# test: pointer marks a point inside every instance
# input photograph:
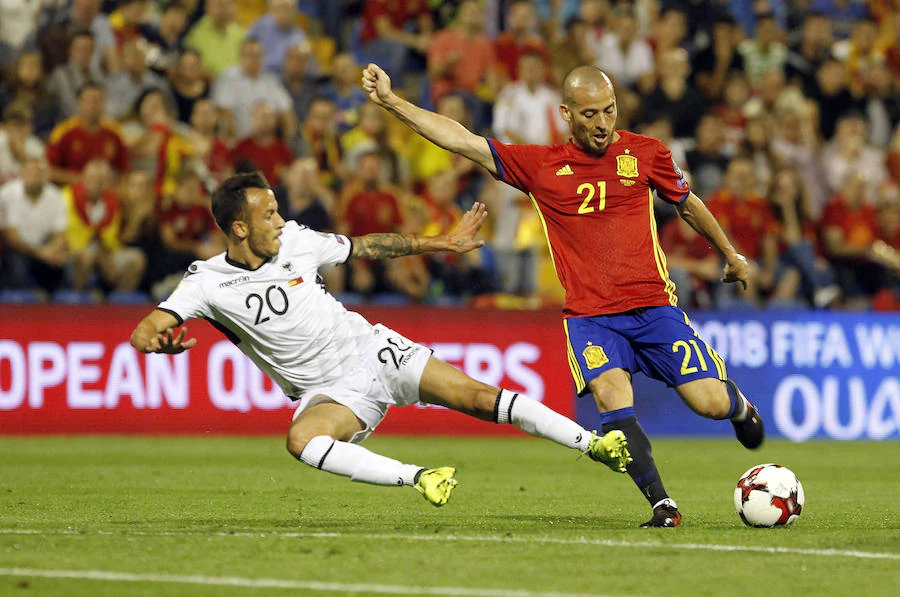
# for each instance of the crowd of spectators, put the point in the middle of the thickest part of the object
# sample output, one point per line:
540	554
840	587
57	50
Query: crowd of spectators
117	119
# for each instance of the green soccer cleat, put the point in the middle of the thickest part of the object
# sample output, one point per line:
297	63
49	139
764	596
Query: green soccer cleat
610	449
436	484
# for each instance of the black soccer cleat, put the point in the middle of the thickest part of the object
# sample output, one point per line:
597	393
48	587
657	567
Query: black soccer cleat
750	432
664	516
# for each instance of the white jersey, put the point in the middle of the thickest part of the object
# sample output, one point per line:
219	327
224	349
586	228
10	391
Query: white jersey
279	315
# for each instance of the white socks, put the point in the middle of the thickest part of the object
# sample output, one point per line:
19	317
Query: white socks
534	418
356	462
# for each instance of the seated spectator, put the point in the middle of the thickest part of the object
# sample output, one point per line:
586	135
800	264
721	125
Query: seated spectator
570	51
59	22
393	32
263	148
318	138
208	142
461	59
297	81
694	266
33	228
17	142
882	105
425	159
26	85
625	55
123	88
276	31
187	231
714	64
68	78
527	110
751	225
156	143
849	230
217	37
802	271
369	205
165	40
669	31
84	137
241	87
521	36
832	97
188	83
810	52
849	154
18	23
707	161
344	91
303	198
371	134
674	96
756	146
733	111
126	20
794	143
94	224
764	52
138	203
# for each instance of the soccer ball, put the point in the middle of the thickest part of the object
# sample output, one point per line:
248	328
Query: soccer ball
768	495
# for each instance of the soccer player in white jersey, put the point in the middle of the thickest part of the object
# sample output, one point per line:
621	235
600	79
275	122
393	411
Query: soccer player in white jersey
263	294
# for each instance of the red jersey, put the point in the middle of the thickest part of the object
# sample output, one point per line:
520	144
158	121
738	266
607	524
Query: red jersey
859	226
371	211
597	214
71	146
271	159
189	223
398	13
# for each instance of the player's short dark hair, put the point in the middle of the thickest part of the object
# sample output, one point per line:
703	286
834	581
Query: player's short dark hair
229	199
87	86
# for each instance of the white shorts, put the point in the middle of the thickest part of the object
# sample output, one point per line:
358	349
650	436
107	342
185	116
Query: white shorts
390	369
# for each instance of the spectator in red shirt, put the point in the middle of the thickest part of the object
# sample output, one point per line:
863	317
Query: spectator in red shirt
749	221
693	263
370	206
461	58
85	136
206	138
521	36
849	230
263	148
392	30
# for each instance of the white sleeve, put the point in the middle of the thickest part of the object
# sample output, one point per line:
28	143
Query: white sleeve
60	215
328	249
187	301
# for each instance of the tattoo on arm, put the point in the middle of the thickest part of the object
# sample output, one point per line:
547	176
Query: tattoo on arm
385	246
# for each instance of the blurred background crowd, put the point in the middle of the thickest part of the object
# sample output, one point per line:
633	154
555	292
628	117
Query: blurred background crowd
117	119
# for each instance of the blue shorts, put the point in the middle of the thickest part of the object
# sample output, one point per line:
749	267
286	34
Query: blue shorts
657	341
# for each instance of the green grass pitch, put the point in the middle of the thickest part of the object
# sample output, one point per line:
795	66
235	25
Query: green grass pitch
90	516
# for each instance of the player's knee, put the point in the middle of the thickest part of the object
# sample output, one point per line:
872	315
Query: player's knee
299	438
609	396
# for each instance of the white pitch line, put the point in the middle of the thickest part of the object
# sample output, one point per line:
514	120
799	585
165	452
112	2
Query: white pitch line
274	583
841	553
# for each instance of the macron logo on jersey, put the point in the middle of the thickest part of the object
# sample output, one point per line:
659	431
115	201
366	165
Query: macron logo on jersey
565	171
238	280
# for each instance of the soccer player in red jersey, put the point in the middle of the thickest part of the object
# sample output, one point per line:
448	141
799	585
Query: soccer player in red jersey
594	196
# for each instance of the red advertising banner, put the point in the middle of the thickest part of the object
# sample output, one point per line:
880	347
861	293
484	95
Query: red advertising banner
71	369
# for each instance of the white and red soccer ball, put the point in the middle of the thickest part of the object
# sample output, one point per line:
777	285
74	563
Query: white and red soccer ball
768	495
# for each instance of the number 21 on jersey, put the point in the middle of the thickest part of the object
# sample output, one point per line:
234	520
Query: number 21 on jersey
587	190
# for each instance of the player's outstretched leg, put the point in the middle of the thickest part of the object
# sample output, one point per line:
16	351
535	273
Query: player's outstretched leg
748	425
447	386
359	464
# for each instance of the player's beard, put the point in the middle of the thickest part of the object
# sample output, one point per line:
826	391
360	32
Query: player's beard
585	141
264	246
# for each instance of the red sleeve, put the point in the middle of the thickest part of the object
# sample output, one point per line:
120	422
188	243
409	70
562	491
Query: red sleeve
833	215
54	152
667	178
517	164
123	162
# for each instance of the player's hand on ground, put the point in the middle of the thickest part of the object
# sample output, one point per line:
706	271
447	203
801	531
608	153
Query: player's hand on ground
377	84
737	269
462	238
168	343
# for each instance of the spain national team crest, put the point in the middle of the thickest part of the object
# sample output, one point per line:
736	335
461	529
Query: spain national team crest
626	166
594	356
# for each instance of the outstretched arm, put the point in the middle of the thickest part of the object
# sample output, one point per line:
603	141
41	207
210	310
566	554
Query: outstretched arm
460	240
693	211
155	333
438	129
